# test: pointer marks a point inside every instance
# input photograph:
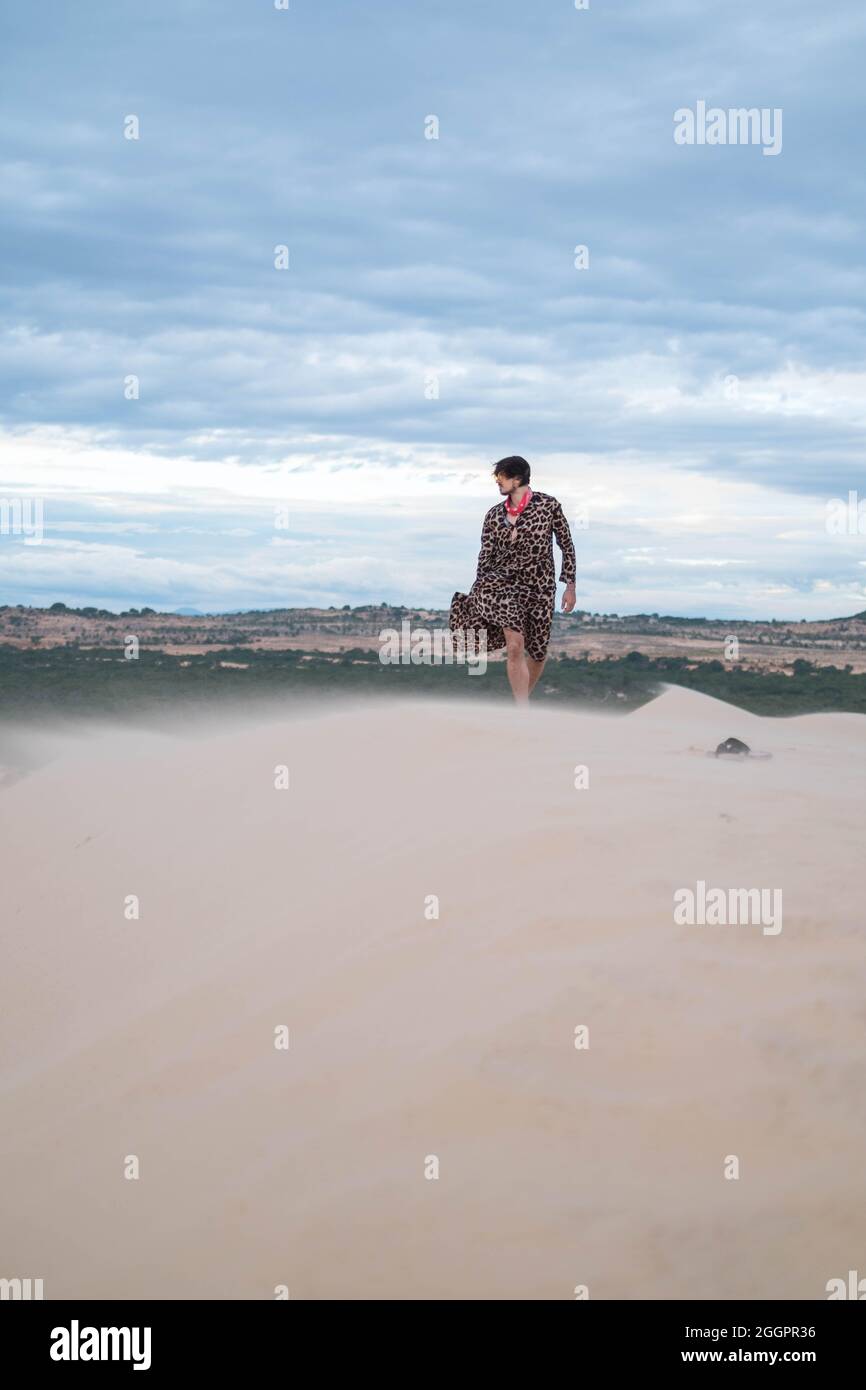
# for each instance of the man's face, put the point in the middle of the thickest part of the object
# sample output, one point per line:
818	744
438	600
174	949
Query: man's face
506	485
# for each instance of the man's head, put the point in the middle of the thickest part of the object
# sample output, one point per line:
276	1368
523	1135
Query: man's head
510	474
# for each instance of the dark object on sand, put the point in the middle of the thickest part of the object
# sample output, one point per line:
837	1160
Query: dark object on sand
733	747
734	750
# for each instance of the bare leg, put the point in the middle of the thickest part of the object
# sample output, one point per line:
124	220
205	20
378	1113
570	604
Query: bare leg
518	671
535	670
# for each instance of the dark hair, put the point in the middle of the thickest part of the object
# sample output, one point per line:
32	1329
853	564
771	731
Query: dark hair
513	467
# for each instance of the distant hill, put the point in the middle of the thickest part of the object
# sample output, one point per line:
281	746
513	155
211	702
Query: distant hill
363	610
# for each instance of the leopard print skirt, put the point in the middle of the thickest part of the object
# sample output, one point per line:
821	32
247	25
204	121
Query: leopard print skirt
497	602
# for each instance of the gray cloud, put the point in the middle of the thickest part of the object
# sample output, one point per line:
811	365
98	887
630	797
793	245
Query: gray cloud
452	257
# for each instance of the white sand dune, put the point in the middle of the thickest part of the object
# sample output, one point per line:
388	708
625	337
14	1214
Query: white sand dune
454	1037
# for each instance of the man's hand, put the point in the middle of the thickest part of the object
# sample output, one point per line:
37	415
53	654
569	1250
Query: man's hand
569	598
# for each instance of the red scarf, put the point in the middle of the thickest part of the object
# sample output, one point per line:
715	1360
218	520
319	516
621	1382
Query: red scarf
521	506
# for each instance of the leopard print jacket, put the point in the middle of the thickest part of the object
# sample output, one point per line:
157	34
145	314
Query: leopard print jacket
527	559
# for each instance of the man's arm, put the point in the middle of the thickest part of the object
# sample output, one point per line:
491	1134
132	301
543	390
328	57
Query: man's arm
485	555
561	530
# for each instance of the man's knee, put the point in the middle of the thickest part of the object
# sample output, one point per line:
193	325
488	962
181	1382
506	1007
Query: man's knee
513	643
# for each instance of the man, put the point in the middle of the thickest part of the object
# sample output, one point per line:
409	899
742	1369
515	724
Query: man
514	593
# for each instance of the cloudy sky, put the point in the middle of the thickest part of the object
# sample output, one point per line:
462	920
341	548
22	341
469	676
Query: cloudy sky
203	428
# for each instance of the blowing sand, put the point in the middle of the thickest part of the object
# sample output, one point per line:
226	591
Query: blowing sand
414	1037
